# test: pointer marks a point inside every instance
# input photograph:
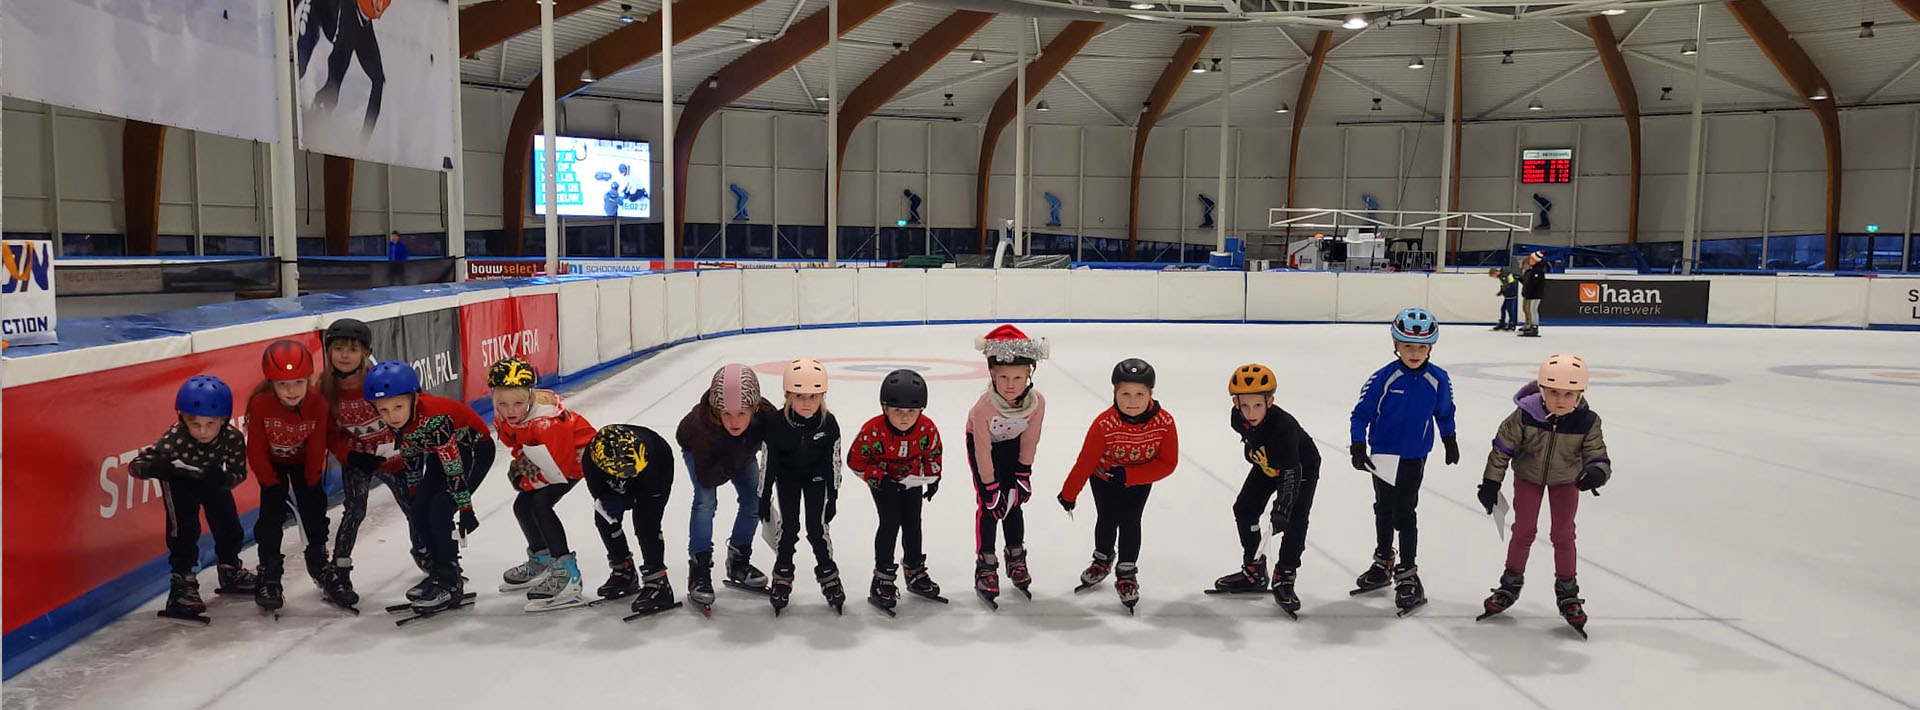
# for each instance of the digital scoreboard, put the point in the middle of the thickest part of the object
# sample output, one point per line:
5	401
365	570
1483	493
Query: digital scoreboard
1546	166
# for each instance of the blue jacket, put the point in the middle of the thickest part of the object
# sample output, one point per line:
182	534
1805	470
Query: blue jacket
397	251
1398	407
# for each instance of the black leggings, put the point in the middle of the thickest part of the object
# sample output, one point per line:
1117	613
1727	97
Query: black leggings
1393	510
1006	455
432	522
646	529
353	510
1118	510
797	497
1252	502
323	18
353	37
185	499
534	510
899	510
308	503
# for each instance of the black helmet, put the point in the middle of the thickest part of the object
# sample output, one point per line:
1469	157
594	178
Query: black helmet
904	389
1133	369
511	372
350	329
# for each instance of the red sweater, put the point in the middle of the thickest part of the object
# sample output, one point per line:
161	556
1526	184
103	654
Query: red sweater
1148	449
434	436
564	434
356	426
280	436
882	454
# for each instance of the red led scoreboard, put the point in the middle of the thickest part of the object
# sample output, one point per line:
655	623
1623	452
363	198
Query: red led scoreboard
1546	166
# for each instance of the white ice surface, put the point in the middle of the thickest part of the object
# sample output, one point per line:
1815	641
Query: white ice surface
1756	548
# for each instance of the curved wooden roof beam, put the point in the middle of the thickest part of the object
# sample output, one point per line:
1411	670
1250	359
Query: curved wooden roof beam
1316	60
1805	78
1040	72
901	71
1171	77
143	152
1623	90
490	23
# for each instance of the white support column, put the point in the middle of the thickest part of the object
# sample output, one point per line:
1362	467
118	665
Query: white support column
1446	156
1080	202
1766	208
1693	148
720	193
833	132
670	223
285	238
926	185
193	191
773	199
1221	202
1573	215
1180	233
1020	133
551	160
1913	172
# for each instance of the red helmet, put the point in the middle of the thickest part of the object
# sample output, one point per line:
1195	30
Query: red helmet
287	360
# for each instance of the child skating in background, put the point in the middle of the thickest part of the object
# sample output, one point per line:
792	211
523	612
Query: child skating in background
1396	414
362	444
1003	431
445	451
1509	294
1285	466
898	454
803	473
630	468
287	450
547	441
1533	287
198	462
1128	447
1553	441
721	438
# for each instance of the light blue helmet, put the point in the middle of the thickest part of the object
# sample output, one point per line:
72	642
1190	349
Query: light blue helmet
1416	325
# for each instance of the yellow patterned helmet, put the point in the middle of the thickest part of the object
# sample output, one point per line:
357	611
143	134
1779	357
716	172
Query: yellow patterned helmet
511	372
1252	379
617	450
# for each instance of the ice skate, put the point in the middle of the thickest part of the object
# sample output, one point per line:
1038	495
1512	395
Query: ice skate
1283	593
1125	584
1017	570
782	589
235	580
655	596
528	574
1566	593
559	589
741	574
986	580
884	595
183	601
828	575
1249	579
1408	593
1096	571
1378	576
621	583
1503	596
700	582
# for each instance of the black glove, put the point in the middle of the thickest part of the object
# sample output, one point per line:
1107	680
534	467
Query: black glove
1022	484
1591	478
363	462
1064	503
932	488
993	500
1360	460
468	522
833	500
1283	503
1117	475
1453	449
766	508
1489	494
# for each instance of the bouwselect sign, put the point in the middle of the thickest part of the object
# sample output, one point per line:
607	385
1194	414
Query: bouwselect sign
1625	301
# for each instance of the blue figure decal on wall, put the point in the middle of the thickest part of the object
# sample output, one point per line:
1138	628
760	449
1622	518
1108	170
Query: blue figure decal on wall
1546	206
913	207
1373	205
1206	211
739	202
1053	209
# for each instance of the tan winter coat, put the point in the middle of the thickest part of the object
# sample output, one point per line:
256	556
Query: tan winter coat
1545	449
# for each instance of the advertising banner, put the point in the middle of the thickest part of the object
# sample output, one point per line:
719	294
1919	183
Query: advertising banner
480	269
27	314
1597	300
427	341
526	327
1894	303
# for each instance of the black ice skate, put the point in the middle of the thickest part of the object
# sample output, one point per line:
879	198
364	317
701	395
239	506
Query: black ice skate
236	581
1378	576
1017	570
267	592
1126	585
1408	594
1284	595
884	596
781	591
922	585
183	601
436	597
828	575
700	582
1572	608
336	585
655	596
1251	578
986	580
621	583
1503	596
1096	572
1530	331
741	574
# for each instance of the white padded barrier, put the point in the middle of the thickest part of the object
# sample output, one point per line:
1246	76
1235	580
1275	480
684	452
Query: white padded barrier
892	295
1820	300
1740	300
960	294
719	301
683	306
615	334
248	333
829	296
1464	298
426	305
647	296
1021	294
1377	298
27	370
1292	296
1894	301
1110	295
579	347
769	299
1201	295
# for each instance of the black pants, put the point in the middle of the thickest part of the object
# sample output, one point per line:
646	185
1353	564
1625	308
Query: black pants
353	37
323	18
1393	510
353	509
797	496
185	499
1006	455
433	518
534	510
899	510
1252	503
308	503
1118	510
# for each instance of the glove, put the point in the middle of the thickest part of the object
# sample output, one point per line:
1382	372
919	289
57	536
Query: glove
766	508
1283	503
1064	503
1117	475
1489	495
992	501
1591	478
468	522
1022	485
1360	460
833	500
1453	450
364	462
932	488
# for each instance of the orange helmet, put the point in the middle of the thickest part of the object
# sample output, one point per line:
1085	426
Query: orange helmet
373	9
1252	379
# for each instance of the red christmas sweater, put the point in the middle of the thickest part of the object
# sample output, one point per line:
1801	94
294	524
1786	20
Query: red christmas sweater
882	453
357	427
434	437
1147	446
564	433
280	436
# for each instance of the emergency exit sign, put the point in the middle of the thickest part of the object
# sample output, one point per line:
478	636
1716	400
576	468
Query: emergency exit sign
1546	166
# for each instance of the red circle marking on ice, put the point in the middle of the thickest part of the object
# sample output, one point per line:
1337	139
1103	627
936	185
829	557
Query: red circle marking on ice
1899	374
974	369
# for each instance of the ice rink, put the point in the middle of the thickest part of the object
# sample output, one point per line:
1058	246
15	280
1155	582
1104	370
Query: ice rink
1756	548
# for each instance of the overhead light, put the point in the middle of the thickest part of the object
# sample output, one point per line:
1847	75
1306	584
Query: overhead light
977	57
1613	11
1199	68
1283	108
1416	63
713	83
949	100
587	76
1666	93
1866	30
1141	6
626	13
1820	94
1535	104
1187	33
1042	106
1506	56
1216	65
1376	104
1689	48
755	37
1355	22
820	98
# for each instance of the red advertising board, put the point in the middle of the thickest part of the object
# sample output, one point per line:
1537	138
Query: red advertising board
526	327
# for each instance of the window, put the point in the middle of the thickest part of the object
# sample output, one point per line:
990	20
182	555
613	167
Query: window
1861	252
533	242
1741	253
1807	251
802	242
642	240
953	241
480	242
1913	255
703	241
590	240
93	245
311	246
422	244
1661	256
1103	249
751	241
231	246
173	245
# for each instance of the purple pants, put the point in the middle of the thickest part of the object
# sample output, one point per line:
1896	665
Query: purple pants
1565	501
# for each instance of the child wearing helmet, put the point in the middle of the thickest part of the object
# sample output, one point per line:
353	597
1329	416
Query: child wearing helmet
287	450
1552	441
899	454
361	443
1533	287
1129	447
1003	432
1396	414
630	468
198	462
720	438
803	472
547	441
445	451
1283	465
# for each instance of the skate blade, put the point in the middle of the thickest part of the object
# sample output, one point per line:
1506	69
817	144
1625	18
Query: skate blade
232	592
1129	607
1485	615
428	614
1357	591
349	608
603	600
644	614
776	612
510	587
576	602
877	604
930	597
403	608
1084	586
763	591
1291	614
275	613
188	619
838	609
989	601
1232	592
1023	590
1409	610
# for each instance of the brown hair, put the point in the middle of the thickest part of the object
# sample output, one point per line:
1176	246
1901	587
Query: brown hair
330	382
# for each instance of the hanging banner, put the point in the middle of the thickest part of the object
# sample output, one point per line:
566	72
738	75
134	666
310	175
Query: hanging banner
27	314
373	80
204	65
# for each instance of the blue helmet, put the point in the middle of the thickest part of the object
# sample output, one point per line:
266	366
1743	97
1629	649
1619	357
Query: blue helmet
391	379
1416	325
205	396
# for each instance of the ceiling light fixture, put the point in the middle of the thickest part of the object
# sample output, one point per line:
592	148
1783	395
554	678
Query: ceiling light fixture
949	102
899	49
587	76
1283	108
1376	104
713	83
1611	12
978	57
755	37
1689	48
1141	6
626	14
1416	63
820	98
1506	56
1866	30
1535	104
1820	94
1355	22
1199	68
1666	93
1216	65
1042	106
1187	33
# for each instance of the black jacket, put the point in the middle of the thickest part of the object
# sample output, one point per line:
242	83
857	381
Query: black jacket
655	480
801	449
1533	282
1277	447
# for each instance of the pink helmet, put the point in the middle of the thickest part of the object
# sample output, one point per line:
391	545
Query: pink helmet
735	389
805	376
1564	371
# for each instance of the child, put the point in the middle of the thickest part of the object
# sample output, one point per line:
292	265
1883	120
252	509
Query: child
1553	442
1533	287
720	439
547	442
1284	461
803	458
1003	430
1509	298
629	467
287	449
445	452
1128	447
198	461
361	443
898	454
1396	413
